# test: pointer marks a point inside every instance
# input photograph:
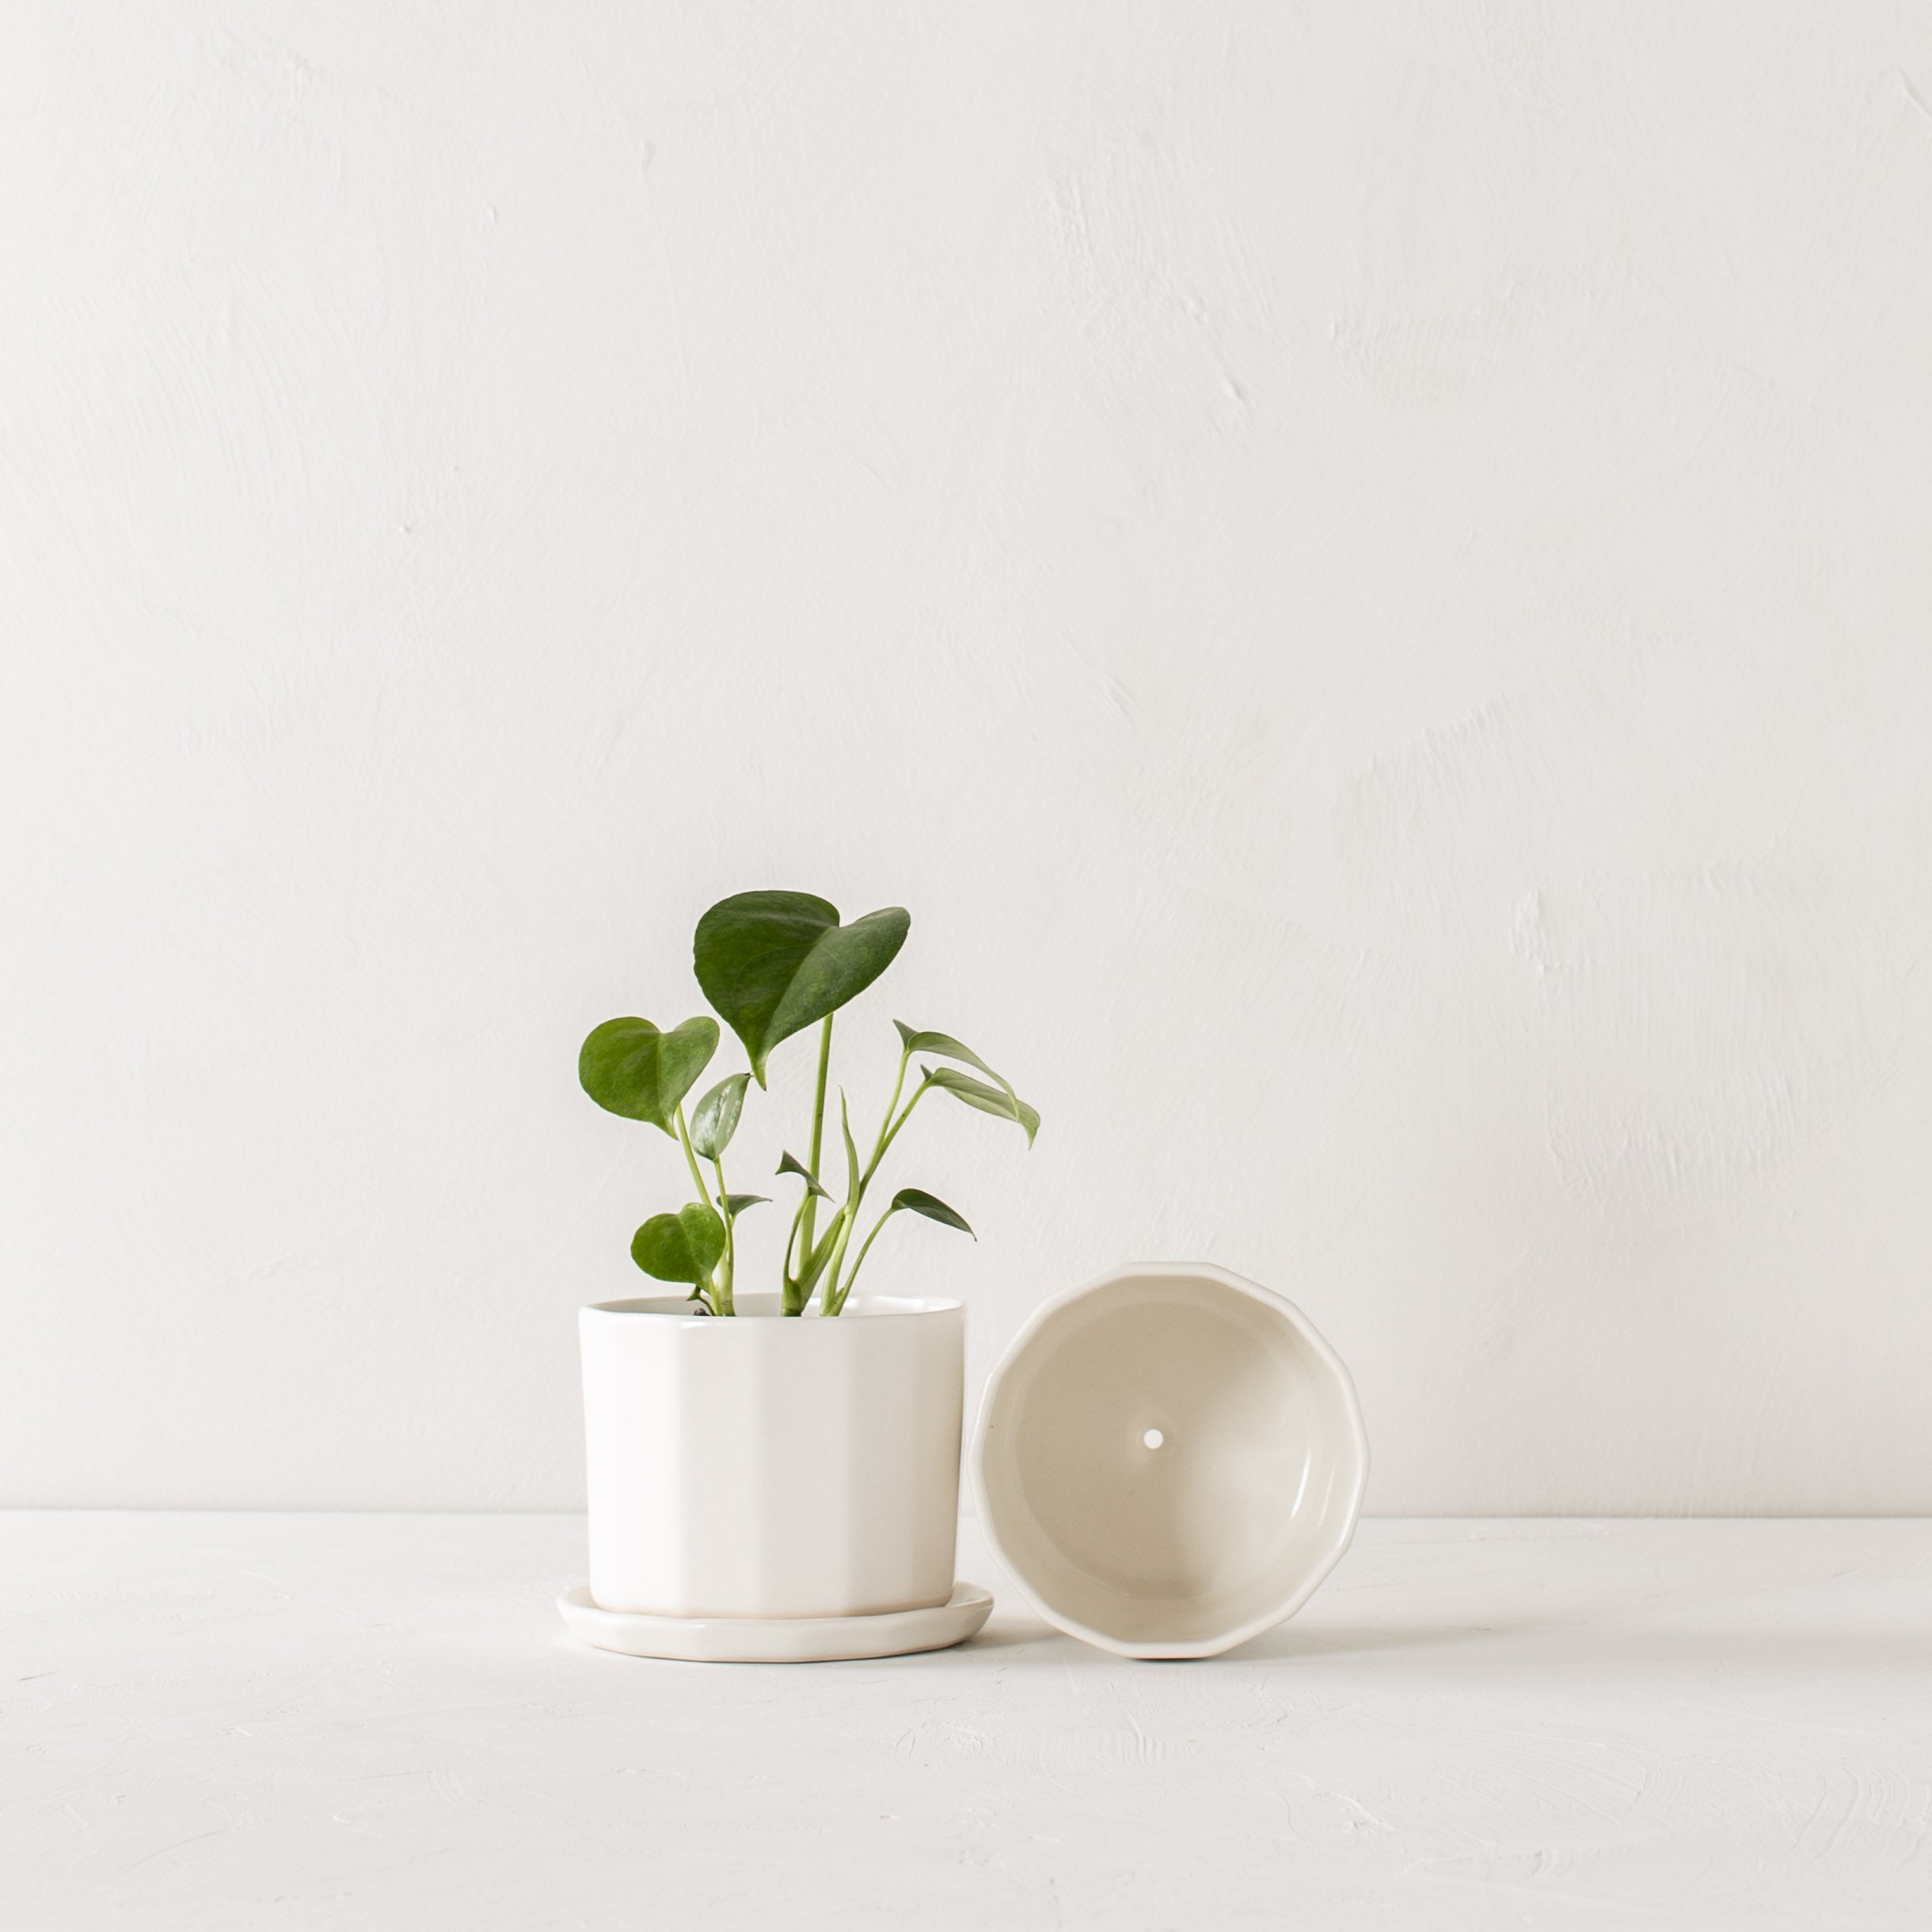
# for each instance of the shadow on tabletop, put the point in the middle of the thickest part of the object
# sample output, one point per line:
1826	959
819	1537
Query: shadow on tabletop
1531	1643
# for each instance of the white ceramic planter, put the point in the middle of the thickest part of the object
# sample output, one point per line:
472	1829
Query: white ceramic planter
767	1466
1169	1460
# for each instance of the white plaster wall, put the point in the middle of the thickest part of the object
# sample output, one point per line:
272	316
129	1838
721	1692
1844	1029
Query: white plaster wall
1365	570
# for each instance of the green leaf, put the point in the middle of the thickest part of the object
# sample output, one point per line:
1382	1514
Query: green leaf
993	1100
789	1165
845	1127
945	1044
773	963
716	1118
932	1207
684	1247
738	1203
629	1068
953	1050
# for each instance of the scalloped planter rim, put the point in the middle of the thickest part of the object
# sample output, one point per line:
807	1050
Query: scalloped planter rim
1169	1460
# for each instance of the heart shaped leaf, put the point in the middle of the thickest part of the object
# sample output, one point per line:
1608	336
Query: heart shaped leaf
716	1118
684	1247
932	1207
993	1100
629	1067
773	963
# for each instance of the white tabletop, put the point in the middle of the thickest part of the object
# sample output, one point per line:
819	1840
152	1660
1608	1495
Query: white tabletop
370	1722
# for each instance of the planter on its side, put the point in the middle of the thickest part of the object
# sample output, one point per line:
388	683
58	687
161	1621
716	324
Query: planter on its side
1169	1460
766	1466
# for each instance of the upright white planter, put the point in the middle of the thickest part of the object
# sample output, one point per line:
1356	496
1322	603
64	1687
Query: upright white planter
769	1467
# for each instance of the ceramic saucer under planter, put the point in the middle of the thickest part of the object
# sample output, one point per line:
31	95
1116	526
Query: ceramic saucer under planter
777	1640
1169	1460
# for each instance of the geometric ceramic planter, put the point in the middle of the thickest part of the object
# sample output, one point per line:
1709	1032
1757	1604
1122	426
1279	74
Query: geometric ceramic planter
768	1466
1169	1460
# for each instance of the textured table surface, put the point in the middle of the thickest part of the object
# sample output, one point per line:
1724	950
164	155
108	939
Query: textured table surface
213	1721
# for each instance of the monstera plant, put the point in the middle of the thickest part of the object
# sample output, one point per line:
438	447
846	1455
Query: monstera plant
772	964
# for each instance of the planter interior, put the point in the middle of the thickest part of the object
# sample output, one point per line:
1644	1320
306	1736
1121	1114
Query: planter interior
1169	1460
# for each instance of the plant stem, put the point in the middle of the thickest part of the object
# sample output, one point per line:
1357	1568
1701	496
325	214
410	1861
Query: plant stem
808	1224
690	1159
834	1298
880	1146
918	1094
852	1279
831	1300
722	1299
731	1231
792	1304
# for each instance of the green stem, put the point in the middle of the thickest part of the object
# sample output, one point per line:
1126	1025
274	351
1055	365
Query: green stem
721	1298
884	1140
793	1304
918	1094
731	1231
852	1279
690	1159
831	1300
807	1223
835	1297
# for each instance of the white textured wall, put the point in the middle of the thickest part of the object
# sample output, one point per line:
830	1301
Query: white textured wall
1366	571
